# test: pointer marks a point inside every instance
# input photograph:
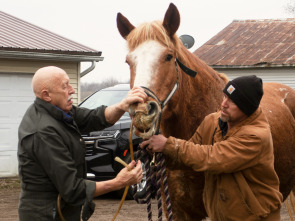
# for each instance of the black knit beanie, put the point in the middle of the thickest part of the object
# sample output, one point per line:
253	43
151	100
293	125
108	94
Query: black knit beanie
246	92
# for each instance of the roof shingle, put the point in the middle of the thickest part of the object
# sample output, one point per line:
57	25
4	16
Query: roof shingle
19	35
252	43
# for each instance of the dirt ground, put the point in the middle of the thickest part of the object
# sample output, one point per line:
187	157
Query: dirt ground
106	206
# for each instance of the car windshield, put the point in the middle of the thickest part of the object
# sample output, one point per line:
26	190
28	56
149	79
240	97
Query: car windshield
105	97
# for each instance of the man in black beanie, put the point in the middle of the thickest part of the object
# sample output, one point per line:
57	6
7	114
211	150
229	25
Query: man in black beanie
234	149
246	92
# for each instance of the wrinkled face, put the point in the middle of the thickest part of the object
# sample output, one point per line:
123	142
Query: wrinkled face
230	112
61	92
150	67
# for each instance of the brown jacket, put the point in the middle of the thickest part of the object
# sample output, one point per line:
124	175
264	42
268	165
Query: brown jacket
240	180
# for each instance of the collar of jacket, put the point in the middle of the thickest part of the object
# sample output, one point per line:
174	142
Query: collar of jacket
246	121
220	136
54	111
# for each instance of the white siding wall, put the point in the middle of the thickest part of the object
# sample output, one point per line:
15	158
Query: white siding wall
280	75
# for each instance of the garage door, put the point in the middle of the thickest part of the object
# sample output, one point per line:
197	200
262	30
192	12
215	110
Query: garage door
15	97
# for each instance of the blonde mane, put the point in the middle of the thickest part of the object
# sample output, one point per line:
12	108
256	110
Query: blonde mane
152	31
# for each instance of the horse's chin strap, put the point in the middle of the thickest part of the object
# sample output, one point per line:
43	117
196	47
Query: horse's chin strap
162	104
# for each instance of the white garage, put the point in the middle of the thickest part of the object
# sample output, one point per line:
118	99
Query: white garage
15	97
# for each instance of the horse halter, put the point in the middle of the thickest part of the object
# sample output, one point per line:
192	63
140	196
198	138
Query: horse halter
186	70
163	103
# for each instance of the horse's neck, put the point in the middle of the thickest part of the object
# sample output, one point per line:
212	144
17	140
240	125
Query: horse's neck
195	99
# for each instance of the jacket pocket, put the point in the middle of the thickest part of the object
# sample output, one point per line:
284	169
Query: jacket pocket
248	196
231	205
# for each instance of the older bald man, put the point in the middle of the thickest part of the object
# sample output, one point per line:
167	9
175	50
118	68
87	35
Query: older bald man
51	151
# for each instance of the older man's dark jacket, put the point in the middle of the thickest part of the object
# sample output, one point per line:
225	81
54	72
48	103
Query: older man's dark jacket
51	154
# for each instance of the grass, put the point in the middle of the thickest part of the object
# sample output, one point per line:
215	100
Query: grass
9	183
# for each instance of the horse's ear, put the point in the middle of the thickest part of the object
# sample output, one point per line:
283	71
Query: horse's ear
171	20
124	26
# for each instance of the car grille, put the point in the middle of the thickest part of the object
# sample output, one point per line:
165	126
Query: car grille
89	142
96	139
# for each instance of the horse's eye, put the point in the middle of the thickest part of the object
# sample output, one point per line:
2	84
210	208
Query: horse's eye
169	57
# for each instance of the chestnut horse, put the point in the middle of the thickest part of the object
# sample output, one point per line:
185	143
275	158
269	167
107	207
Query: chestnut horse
180	102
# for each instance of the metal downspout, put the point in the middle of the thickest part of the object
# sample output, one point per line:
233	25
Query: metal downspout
88	69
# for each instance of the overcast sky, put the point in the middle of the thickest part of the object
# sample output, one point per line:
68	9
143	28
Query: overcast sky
93	22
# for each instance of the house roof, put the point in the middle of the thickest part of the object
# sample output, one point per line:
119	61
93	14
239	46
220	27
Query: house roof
20	36
254	43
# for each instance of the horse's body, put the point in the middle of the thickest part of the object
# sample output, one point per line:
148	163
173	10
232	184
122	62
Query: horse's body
153	48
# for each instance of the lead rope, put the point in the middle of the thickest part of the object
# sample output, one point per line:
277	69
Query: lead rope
143	154
122	162
161	169
150	176
58	208
160	173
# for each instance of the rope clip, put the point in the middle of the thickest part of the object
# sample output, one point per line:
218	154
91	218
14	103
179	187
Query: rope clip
153	161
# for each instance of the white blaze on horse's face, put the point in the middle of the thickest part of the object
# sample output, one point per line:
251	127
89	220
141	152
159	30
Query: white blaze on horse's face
144	61
145	57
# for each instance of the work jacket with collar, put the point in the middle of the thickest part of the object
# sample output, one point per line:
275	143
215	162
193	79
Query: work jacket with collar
240	180
51	154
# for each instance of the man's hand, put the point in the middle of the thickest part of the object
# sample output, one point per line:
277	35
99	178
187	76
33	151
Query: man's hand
123	179
127	178
114	112
155	144
135	95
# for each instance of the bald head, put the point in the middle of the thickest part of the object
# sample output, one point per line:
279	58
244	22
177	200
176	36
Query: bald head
52	84
45	79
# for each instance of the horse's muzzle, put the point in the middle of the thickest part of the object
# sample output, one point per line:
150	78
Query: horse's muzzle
145	117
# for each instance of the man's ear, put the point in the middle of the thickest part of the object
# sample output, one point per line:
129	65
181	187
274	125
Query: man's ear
45	96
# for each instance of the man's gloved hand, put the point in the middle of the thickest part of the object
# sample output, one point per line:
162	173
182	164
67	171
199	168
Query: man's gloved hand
88	210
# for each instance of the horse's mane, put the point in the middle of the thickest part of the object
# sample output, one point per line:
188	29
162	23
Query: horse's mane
152	31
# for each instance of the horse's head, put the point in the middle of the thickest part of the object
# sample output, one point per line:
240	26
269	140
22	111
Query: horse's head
153	48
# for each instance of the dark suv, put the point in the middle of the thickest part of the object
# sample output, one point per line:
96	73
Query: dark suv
103	146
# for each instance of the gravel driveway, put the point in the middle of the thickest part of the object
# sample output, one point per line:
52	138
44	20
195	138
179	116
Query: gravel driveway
106	206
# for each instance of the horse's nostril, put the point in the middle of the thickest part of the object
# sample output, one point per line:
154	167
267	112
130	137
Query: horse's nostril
152	108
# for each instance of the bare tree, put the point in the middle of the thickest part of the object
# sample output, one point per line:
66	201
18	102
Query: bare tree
89	88
290	7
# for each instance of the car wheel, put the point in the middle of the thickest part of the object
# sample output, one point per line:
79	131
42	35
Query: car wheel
141	187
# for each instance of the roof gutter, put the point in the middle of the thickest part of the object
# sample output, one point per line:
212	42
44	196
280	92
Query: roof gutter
88	69
53	56
49	56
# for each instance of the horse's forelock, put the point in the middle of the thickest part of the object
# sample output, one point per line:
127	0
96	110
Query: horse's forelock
149	31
